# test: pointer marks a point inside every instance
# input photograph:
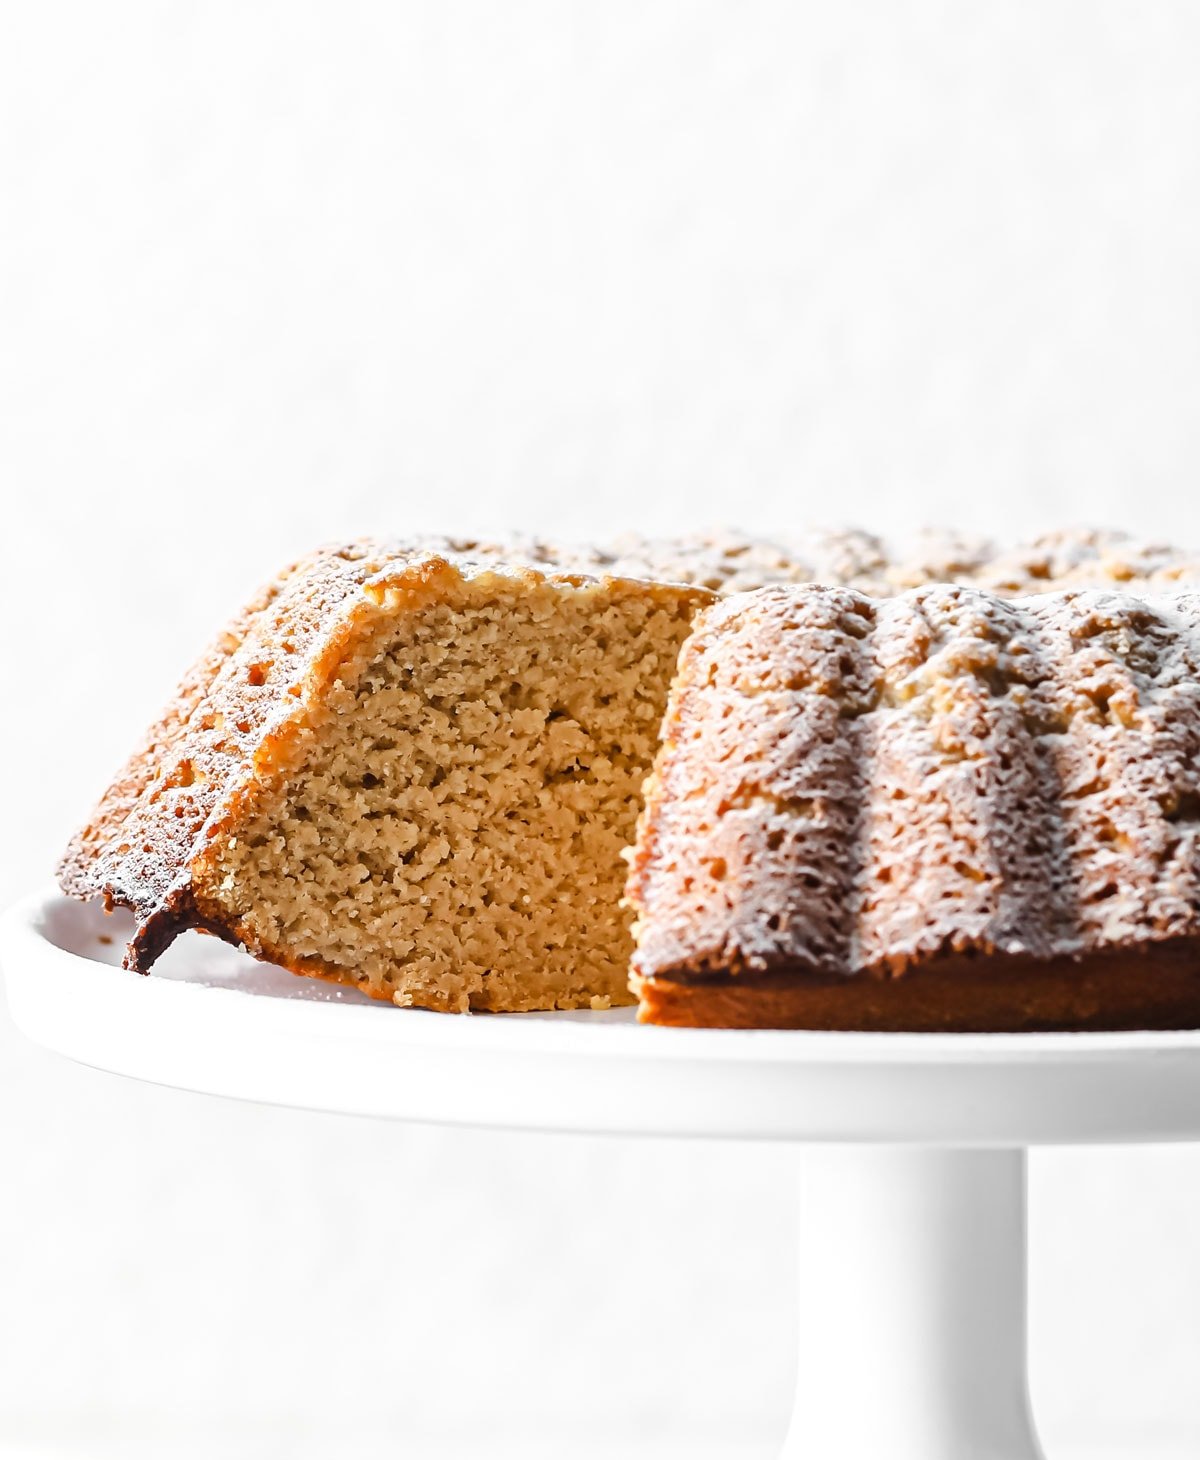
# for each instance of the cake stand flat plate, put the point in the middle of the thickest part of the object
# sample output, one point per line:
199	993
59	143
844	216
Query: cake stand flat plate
211	1019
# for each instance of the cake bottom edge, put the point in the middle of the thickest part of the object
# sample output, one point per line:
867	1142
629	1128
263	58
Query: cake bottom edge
1150	986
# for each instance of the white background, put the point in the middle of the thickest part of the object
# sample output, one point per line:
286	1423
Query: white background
277	273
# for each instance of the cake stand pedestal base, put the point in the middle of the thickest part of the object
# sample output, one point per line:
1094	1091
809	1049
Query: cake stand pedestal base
912	1284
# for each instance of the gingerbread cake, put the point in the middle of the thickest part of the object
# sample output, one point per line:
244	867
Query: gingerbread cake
414	767
943	810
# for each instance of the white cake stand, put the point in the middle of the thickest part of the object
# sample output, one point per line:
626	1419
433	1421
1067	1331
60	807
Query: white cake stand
912	1211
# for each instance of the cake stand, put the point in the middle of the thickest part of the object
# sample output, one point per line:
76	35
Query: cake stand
912	1255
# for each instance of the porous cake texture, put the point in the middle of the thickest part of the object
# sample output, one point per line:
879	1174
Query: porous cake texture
943	810
409	771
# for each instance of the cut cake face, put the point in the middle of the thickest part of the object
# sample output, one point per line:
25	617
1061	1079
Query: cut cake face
407	772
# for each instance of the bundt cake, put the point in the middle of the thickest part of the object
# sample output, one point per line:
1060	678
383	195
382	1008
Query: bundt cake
413	767
943	810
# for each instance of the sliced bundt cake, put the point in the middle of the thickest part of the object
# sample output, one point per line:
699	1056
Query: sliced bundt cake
412	767
945	810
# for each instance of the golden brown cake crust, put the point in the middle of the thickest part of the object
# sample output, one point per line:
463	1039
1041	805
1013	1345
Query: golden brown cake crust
137	846
850	790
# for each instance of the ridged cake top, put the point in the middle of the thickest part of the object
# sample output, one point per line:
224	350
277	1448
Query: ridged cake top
850	784
729	561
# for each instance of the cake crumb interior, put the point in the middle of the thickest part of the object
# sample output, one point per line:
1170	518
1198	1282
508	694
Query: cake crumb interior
449	828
